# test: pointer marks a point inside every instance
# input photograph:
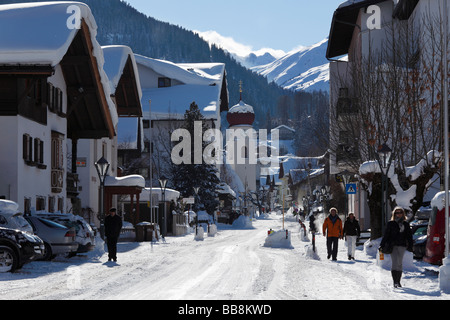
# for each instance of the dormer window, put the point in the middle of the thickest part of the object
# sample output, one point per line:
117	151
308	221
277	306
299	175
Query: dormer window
164	82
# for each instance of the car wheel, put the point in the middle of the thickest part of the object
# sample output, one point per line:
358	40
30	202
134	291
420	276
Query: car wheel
8	259
48	255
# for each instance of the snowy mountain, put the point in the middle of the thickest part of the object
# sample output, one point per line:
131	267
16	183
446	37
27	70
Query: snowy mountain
306	69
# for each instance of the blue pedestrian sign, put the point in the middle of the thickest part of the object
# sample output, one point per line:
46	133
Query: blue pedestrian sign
350	188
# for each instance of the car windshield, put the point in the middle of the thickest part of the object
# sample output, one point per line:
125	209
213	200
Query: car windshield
52	224
421	231
20	221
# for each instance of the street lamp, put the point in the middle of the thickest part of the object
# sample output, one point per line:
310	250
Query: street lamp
102	167
162	184
384	158
325	190
198	209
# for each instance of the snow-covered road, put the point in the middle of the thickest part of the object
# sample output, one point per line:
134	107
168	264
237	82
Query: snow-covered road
232	265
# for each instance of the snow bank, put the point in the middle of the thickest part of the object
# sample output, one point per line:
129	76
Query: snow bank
200	234
243	222
444	276
212	230
278	239
371	249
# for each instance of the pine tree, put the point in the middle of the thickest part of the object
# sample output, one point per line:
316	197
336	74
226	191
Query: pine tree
186	177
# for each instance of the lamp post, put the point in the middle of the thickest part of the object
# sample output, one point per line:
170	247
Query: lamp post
384	161
162	184
198	209
102	167
325	190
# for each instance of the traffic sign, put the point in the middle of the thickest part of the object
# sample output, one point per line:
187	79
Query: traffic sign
350	188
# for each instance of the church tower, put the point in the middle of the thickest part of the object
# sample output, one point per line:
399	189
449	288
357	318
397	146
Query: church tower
242	116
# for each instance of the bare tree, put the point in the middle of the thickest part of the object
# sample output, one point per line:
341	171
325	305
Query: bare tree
394	98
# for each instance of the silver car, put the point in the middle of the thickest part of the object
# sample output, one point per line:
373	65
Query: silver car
57	238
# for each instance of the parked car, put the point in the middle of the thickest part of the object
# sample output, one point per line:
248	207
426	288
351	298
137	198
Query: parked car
436	234
424	211
85	236
18	248
11	218
419	230
57	238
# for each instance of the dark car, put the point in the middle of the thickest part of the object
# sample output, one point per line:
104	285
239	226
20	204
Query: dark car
419	230
17	248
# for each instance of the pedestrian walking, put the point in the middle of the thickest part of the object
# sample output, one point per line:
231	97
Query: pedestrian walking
396	240
113	226
351	234
332	229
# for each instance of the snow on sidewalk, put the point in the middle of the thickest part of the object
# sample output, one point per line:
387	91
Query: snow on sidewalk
234	264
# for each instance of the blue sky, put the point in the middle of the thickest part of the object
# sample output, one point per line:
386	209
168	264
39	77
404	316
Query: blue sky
281	24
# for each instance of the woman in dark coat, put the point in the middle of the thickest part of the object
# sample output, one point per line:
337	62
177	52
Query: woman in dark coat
351	234
397	239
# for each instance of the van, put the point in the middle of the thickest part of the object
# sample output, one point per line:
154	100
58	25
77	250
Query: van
434	252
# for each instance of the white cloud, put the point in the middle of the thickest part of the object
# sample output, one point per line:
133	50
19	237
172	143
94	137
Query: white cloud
233	47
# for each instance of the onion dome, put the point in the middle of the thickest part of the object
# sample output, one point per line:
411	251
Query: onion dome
241	114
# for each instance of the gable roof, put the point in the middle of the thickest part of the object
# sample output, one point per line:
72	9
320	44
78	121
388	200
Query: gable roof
121	68
44	37
204	83
343	24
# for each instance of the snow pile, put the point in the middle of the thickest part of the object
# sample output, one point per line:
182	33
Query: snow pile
212	230
279	239
199	234
243	222
371	249
303	234
444	276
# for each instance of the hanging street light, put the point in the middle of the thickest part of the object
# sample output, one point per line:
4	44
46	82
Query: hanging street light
102	167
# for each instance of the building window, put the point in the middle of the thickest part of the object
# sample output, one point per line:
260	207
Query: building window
61	204
164	82
40	203
146	124
38	151
27	147
27	206
51	204
55	99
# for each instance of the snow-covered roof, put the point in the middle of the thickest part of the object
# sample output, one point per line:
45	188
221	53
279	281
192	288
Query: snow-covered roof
116	58
38	32
197	82
41	33
127	181
283	126
205	74
223	188
242	107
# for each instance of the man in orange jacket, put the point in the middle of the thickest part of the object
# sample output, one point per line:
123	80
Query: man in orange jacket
332	229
